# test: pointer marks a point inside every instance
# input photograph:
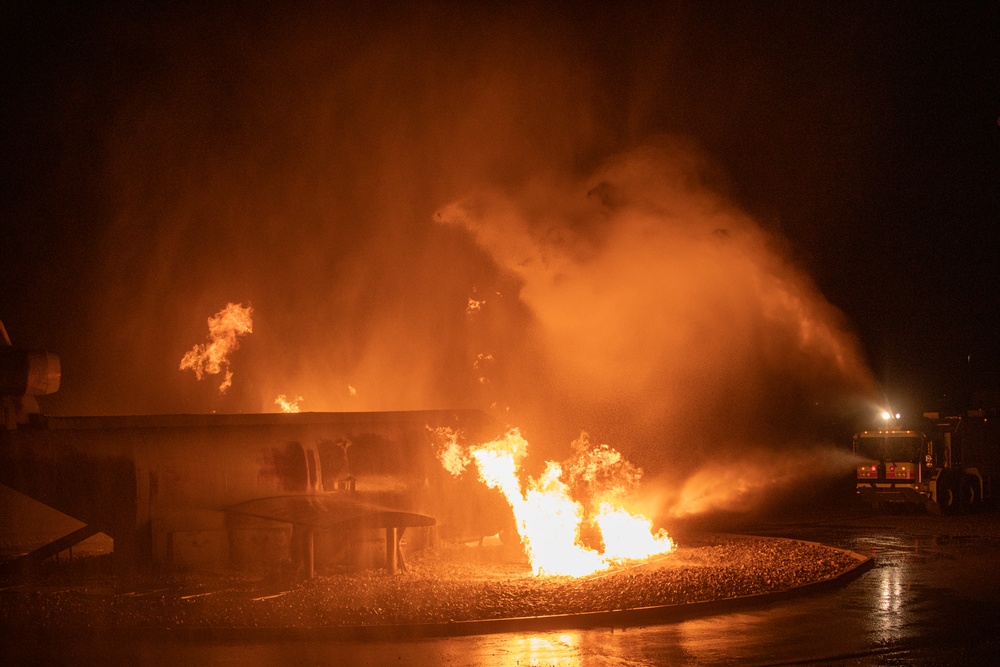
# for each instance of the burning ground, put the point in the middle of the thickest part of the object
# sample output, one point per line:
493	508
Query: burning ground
444	585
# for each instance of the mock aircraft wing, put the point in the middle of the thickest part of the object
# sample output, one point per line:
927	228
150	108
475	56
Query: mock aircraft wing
329	511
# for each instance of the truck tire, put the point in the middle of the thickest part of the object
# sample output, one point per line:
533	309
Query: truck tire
947	494
968	493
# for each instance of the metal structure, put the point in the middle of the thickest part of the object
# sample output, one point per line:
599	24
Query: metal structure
249	491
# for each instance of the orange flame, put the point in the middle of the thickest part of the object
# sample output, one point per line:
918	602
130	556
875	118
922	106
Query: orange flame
452	455
224	328
549	519
286	404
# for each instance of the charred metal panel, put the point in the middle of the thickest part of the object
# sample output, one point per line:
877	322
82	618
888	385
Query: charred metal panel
286	467
191	549
79	475
256	544
140	479
333	463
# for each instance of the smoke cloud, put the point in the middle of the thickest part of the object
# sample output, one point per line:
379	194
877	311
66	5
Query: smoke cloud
661	316
448	208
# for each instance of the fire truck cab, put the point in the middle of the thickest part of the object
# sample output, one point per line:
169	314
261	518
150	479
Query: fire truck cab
940	466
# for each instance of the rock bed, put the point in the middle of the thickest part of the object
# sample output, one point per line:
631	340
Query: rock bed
448	584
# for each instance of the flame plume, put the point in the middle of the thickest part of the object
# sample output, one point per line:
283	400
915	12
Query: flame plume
224	329
549	518
288	404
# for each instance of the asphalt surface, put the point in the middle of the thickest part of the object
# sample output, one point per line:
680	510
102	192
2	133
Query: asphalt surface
931	598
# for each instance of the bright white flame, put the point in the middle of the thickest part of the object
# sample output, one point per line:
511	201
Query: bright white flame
629	536
549	518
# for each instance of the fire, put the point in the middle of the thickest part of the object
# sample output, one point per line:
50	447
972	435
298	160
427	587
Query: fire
225	329
287	405
481	364
549	519
452	455
629	536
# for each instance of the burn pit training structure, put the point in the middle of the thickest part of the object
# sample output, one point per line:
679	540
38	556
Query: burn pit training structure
251	491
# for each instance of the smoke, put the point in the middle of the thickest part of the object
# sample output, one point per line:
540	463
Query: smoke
294	160
448	207
661	315
752	478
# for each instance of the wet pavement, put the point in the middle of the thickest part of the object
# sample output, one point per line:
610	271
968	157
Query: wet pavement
932	598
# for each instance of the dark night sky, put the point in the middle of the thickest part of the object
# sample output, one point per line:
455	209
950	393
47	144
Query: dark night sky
864	133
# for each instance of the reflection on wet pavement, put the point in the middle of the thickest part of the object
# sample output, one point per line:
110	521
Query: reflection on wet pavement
932	598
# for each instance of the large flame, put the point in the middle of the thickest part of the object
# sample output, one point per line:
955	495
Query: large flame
224	329
550	520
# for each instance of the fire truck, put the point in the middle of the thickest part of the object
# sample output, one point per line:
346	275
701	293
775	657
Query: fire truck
944	462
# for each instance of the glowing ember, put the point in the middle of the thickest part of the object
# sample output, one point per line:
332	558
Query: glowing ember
224	328
481	364
288	405
548	518
475	304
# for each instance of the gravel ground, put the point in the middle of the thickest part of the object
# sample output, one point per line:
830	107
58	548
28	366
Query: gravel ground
447	584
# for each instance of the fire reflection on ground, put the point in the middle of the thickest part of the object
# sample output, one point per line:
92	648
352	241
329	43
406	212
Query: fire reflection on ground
558	650
889	588
930	599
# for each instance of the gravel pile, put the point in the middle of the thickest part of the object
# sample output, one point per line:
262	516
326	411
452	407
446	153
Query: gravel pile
448	584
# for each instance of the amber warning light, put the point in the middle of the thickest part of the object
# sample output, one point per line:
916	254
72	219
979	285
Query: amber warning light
900	472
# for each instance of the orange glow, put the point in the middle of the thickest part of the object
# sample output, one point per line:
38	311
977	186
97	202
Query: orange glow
224	329
548	517
481	365
286	404
450	453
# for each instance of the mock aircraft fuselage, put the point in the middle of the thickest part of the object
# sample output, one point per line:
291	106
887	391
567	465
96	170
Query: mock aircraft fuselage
163	485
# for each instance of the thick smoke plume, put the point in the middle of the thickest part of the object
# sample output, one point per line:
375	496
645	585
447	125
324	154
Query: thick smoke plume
449	208
666	319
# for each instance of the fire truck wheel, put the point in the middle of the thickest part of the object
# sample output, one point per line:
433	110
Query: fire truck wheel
946	494
968	492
